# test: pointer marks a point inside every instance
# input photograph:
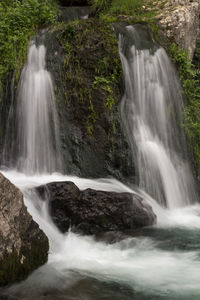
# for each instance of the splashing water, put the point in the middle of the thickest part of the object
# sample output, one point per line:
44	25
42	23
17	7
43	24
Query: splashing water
149	266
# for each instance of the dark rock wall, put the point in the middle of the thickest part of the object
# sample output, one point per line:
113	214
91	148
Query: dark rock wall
83	59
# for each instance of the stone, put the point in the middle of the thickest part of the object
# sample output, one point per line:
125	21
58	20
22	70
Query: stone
180	20
94	212
94	143
23	245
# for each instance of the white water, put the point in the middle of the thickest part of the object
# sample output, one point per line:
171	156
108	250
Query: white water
152	108
138	263
38	135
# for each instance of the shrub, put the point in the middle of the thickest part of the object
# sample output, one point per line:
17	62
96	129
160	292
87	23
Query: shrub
189	75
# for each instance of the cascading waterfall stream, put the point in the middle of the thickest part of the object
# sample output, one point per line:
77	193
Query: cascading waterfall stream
151	109
37	135
162	262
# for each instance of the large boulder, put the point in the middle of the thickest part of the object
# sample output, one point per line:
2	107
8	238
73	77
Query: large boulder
23	246
93	212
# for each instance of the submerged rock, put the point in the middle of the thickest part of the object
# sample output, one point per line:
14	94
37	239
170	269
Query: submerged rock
23	246
93	212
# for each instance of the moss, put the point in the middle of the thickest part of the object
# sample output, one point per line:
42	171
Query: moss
189	76
92	70
16	267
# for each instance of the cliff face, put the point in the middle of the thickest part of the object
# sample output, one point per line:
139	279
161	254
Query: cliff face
180	20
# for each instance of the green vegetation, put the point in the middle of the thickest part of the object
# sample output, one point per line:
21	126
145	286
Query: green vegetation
132	10
189	75
91	70
19	20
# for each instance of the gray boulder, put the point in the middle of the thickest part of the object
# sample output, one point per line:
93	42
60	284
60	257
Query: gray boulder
23	246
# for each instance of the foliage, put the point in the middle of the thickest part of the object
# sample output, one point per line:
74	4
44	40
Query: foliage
99	6
91	70
18	21
129	11
189	75
137	10
128	7
105	84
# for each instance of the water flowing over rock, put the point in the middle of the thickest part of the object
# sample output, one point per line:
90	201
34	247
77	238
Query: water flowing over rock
23	246
93	212
180	20
152	114
33	143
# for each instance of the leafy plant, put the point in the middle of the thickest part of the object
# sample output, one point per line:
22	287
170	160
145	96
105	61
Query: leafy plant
18	21
189	75
128	7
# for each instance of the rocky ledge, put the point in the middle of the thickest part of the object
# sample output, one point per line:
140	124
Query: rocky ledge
23	246
94	212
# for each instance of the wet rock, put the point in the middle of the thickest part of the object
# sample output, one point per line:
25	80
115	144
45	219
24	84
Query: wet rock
23	246
94	212
68	14
84	61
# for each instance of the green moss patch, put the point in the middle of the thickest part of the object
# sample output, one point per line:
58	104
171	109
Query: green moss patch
92	69
190	77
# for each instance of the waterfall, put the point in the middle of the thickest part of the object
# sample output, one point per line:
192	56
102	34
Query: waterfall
152	113
151	263
37	133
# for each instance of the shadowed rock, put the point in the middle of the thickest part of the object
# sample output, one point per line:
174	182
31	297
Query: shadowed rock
93	212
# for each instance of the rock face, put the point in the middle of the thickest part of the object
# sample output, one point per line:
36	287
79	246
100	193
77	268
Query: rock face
93	212
180	20
23	246
83	59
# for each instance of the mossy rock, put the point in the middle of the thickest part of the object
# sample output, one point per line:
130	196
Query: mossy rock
84	61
